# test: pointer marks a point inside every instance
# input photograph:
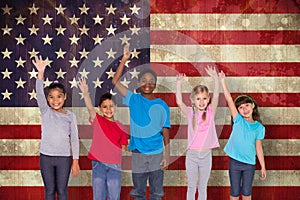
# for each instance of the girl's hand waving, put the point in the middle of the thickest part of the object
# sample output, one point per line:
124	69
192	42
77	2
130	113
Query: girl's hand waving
39	63
180	78
212	72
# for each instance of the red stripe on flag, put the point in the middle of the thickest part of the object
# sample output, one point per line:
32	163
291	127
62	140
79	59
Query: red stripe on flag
231	68
224	6
224	37
171	193
176	163
176	131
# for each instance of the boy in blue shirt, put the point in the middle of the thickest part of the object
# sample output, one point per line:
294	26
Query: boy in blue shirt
149	129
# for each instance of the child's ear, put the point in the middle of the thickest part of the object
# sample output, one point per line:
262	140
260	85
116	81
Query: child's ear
253	105
65	96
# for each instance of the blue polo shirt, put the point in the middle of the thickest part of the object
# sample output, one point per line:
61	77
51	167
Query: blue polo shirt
147	120
241	143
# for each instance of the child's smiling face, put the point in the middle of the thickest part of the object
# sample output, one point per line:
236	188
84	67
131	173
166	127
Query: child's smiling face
56	99
108	108
201	100
246	110
147	83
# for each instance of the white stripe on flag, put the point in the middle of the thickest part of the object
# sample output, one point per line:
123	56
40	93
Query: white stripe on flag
224	53
30	147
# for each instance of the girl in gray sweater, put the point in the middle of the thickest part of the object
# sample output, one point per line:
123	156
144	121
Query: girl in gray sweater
59	129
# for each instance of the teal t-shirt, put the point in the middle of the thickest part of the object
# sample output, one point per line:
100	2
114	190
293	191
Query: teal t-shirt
241	143
147	120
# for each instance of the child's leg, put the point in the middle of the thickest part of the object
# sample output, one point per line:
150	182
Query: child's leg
156	179
204	171
99	180
48	175
114	181
139	175
192	172
63	166
247	180
139	186
235	174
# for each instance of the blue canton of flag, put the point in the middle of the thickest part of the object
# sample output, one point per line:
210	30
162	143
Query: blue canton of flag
78	39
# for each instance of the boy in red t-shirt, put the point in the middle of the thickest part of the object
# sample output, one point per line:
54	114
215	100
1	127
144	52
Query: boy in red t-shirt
109	139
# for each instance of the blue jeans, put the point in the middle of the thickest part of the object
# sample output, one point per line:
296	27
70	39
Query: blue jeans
106	180
55	172
146	167
241	178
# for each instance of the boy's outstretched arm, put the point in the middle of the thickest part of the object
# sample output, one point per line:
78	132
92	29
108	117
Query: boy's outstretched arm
87	99
214	75
116	80
228	97
181	105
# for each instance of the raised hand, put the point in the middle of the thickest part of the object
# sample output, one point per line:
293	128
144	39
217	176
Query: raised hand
180	77
39	63
211	71
127	53
222	76
83	86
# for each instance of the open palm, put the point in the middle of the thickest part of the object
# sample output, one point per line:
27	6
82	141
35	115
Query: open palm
39	63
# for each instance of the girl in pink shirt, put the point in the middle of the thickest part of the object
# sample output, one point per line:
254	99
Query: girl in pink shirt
202	136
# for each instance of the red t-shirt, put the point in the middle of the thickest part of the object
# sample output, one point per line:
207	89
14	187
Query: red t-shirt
108	136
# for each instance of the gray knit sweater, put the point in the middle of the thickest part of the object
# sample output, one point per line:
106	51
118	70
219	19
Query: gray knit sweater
58	129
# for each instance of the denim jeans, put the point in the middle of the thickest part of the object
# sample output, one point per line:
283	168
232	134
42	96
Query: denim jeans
241	178
106	180
146	167
55	172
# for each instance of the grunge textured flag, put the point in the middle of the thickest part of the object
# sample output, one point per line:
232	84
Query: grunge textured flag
78	39
256	44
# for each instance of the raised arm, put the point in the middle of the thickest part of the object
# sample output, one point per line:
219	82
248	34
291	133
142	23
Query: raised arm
40	66
87	99
182	106
214	75
116	80
228	97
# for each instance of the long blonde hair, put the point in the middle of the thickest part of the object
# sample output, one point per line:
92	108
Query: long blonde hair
196	90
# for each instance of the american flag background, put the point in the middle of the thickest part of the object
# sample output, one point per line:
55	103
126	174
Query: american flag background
255	42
